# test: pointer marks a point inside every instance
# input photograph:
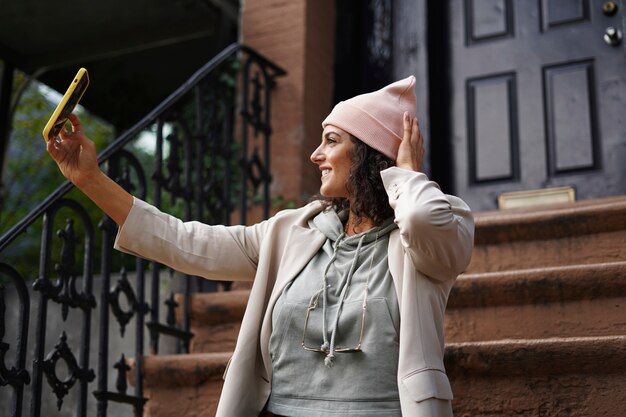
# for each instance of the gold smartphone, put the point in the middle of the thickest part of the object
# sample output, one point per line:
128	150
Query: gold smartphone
70	99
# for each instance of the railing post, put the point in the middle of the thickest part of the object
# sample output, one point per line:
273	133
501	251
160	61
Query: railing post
106	226
17	376
40	329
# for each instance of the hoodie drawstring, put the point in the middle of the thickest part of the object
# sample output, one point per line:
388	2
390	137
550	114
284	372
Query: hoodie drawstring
325	345
330	357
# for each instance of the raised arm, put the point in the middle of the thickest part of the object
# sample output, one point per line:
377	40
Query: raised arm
75	154
436	230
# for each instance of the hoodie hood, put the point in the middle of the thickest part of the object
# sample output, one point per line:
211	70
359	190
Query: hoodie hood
330	223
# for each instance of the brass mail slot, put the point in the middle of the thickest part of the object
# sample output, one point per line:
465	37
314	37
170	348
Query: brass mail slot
529	198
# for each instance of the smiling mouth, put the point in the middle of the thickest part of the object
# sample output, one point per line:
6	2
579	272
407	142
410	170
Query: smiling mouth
325	172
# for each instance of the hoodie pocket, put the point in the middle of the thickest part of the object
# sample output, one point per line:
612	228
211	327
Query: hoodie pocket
428	383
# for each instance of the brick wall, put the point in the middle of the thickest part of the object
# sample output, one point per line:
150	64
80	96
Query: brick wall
298	35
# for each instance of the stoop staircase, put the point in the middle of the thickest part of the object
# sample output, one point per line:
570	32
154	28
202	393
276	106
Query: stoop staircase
535	327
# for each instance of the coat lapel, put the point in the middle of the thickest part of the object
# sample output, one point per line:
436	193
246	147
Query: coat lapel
396	253
302	244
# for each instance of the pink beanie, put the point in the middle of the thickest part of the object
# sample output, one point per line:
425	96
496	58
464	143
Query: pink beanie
376	118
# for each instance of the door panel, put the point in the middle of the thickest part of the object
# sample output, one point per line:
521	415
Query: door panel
569	91
487	19
492	128
561	12
538	98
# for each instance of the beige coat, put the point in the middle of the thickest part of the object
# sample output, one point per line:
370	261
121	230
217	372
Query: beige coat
432	245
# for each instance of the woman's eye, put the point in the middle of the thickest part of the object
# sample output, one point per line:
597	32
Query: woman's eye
331	140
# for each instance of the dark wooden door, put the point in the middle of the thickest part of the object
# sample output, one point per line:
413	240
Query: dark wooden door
538	98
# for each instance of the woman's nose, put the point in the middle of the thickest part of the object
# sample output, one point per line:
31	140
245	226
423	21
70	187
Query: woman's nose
316	155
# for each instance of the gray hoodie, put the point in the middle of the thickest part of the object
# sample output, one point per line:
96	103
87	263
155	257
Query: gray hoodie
322	380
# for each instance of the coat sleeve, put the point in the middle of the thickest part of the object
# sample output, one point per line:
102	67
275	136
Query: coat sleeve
436	230
213	252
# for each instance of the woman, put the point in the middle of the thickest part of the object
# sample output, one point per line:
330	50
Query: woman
345	315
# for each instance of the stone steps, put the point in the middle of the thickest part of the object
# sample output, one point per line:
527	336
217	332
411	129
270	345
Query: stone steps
182	385
565	301
215	319
586	232
574	377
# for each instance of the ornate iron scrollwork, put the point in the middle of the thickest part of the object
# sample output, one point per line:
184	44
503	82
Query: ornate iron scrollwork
63	352
125	181
256	115
64	291
174	171
122	369
135	307
170	315
14	376
257	171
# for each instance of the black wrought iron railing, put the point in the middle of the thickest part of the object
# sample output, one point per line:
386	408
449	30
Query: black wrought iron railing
206	158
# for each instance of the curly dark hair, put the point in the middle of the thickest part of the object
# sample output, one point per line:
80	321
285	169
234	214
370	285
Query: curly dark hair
365	184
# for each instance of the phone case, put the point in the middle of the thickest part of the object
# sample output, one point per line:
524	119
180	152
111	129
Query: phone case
69	101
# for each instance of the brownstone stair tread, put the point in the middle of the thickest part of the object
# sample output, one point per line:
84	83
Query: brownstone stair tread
520	357
570	282
583	217
183	370
216	308
576	377
539	285
586	232
574	355
565	301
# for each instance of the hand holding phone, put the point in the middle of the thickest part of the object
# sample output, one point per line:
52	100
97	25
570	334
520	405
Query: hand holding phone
69	101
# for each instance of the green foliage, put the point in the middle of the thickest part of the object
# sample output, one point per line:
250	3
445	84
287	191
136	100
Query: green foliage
30	175
280	203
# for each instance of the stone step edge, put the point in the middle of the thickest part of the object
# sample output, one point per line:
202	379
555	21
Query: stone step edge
214	308
505	358
190	369
538	357
541	285
574	219
520	287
